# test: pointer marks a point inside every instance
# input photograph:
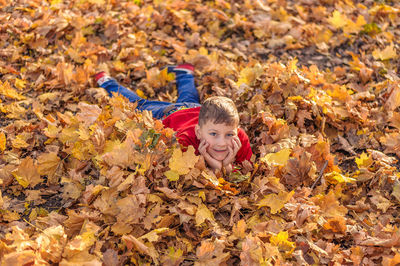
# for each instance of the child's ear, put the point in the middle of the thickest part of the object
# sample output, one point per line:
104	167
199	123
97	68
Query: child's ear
197	131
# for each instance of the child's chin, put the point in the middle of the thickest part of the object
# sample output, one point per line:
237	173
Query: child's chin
219	157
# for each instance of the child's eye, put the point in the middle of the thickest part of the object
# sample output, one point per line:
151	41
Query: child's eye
230	135
213	134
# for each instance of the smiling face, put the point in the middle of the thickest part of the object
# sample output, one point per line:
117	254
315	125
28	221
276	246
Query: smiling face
218	136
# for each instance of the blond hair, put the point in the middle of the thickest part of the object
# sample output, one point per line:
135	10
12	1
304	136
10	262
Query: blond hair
219	110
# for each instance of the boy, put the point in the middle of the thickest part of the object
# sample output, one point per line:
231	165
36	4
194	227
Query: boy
211	128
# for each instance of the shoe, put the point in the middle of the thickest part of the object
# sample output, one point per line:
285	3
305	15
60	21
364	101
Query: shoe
101	77
181	69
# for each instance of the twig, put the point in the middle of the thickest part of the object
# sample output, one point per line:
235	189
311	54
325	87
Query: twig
321	173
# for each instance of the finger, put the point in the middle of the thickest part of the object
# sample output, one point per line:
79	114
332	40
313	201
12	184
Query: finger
236	145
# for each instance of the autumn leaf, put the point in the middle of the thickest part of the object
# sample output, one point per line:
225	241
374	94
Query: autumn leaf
48	164
181	163
364	161
203	214
337	178
337	19
316	86
388	53
26	174
8	91
281	240
278	158
3	141
275	201
336	224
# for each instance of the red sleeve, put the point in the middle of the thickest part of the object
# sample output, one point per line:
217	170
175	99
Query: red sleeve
245	151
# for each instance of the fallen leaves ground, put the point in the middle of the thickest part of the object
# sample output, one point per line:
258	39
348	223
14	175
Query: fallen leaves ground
87	180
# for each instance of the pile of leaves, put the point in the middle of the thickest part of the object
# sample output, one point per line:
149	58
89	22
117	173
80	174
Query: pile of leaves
86	179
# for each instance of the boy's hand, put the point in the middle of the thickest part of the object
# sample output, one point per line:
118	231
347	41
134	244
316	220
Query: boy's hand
233	150
213	163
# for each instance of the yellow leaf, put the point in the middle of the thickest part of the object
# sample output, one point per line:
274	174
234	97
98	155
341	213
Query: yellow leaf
48	96
51	131
153	236
172	175
388	53
249	75
9	92
354	27
141	94
338	20
3	141
19	83
26	174
165	76
68	135
364	160
119	66
278	158
183	162
202	214
329	205
281	240
276	202
337	178
20	141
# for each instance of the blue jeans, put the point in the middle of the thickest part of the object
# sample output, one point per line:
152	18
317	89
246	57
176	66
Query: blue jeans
187	96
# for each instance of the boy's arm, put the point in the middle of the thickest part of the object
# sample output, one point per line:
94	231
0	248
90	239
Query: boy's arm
233	150
214	164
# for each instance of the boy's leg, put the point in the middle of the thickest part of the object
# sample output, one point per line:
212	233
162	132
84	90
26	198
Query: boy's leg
156	107
186	87
187	92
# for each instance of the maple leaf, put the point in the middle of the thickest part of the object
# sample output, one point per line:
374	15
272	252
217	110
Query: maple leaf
6	90
275	202
364	161
337	224
239	230
281	240
203	214
210	253
48	163
337	19
181	163
278	158
329	205
88	113
51	243
337	178
388	53
26	174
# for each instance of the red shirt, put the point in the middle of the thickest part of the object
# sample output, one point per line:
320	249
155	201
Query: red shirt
184	122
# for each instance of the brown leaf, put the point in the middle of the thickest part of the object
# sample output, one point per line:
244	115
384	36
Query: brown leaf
26	174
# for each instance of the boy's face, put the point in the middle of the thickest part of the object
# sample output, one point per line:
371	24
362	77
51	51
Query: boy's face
218	136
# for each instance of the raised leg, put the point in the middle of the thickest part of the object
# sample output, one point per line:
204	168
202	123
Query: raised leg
186	87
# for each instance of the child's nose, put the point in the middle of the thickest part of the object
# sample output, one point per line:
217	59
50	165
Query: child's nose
223	142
